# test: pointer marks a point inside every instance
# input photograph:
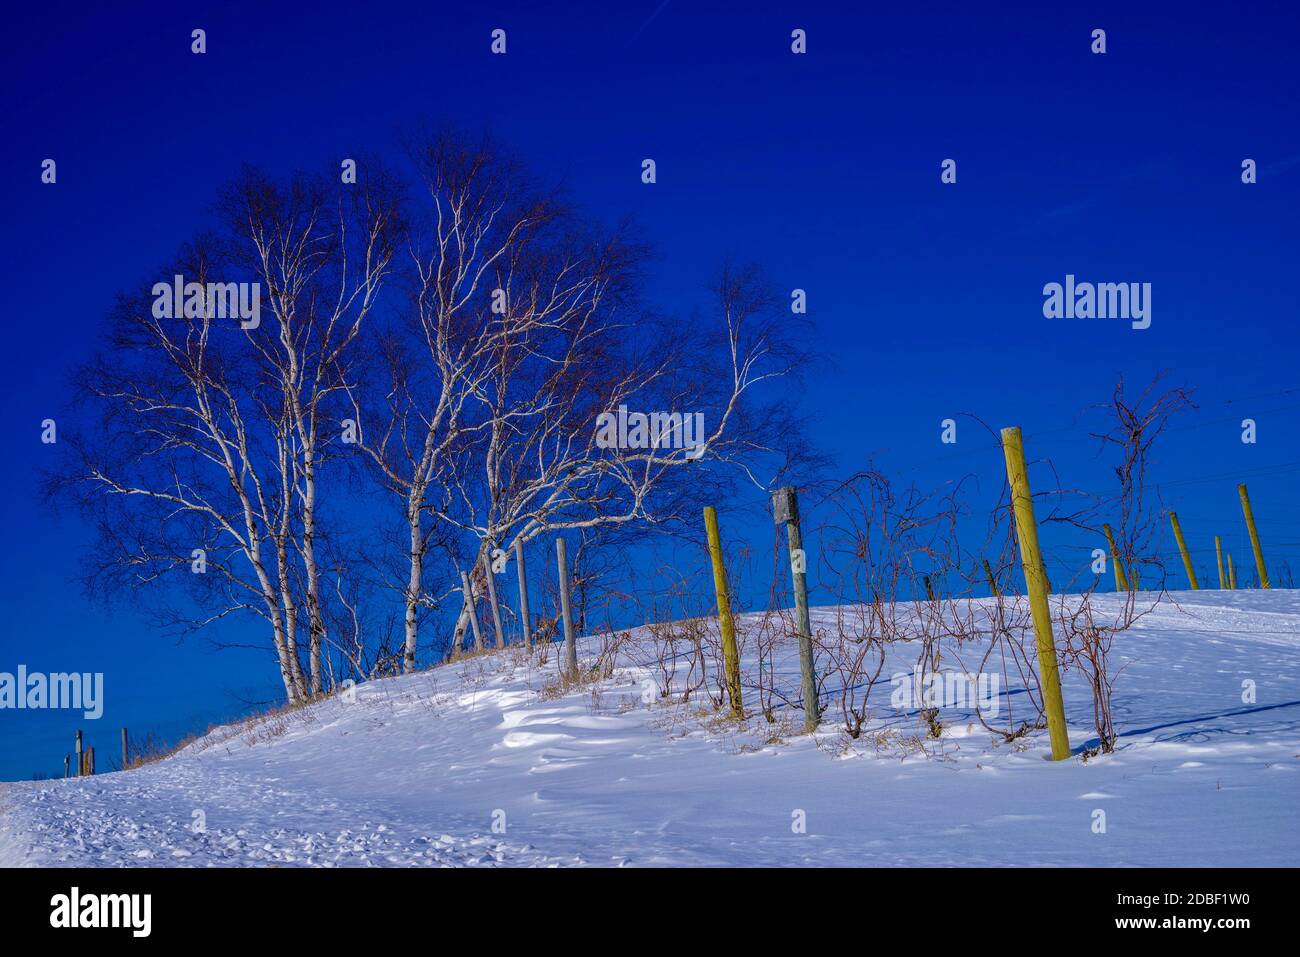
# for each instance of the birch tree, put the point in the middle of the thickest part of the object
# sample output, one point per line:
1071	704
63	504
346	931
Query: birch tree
322	255
204	465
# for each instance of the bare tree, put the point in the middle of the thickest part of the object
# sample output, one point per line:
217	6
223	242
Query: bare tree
206	455
321	255
527	329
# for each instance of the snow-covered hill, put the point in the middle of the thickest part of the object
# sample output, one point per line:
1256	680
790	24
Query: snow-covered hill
483	762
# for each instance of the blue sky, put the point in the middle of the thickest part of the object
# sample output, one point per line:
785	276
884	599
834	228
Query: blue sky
925	298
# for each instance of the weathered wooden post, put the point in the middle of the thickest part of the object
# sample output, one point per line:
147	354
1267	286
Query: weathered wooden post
81	764
929	589
730	656
125	762
492	600
90	760
1232	574
1254	537
468	588
1218	556
523	595
570	641
994	590
1182	550
66	764
1121	580
785	510
1036	583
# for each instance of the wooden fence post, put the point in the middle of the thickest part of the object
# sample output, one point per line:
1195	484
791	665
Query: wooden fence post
1218	557
1182	550
1036	582
1232	574
1121	580
523	594
468	588
993	582
570	641
492	600
785	509
125	761
730	656
90	760
66	764
1254	537
81	764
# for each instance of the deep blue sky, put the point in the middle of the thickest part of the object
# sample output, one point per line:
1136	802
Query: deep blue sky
823	167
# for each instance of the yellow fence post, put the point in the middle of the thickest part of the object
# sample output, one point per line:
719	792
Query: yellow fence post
1254	537
730	656
1218	557
1121	581
1182	550
1036	582
1232	574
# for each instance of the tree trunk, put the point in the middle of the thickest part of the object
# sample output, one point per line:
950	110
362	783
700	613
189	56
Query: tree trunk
458	634
290	627
413	589
315	617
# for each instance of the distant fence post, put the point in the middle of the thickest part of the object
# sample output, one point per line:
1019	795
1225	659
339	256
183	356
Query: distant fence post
1036	582
1254	537
785	509
80	763
125	760
523	594
90	760
1218	557
570	641
468	588
1182	550
994	590
492	599
730	656
1232	574
66	764
1121	580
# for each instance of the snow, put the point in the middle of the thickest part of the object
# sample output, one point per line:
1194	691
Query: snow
479	763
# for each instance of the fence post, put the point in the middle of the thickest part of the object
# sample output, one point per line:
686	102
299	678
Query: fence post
993	583
1121	580
1182	550
80	763
1254	537
785	509
1218	557
1036	583
468	587
90	760
1232	574
570	642
66	765
523	594
730	657
492	599
125	762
